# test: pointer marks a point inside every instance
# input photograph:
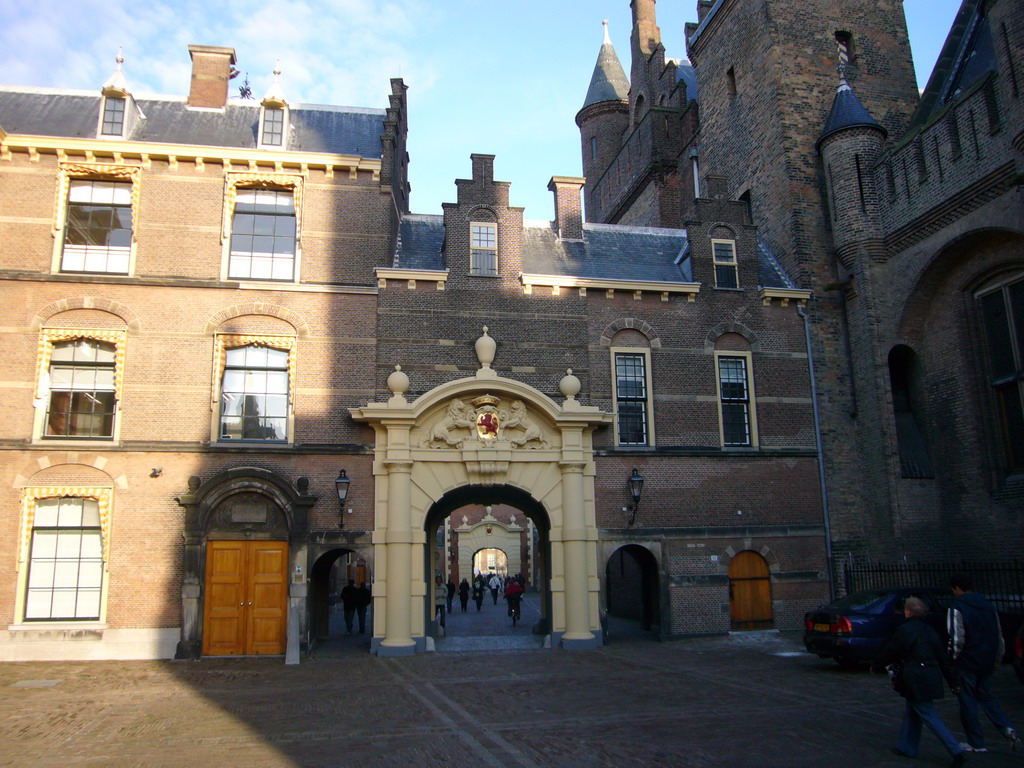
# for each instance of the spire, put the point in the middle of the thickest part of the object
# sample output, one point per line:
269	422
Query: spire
274	97
847	112
116	84
609	82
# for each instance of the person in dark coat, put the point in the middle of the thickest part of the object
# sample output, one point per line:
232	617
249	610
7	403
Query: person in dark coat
464	594
349	603
451	593
976	646
478	592
917	647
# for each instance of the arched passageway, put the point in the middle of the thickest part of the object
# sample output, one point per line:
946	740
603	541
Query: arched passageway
328	576
632	588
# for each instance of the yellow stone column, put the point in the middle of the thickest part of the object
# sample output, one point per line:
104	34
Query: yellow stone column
399	540
574	546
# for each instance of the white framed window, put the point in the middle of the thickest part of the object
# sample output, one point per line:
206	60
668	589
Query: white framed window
79	384
98	228
63	553
483	254
112	122
738	426
723	253
255	381
263	235
272	127
631	391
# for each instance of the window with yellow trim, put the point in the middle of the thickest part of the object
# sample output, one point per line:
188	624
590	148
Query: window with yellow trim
726	271
263	235
65	562
255	379
483	254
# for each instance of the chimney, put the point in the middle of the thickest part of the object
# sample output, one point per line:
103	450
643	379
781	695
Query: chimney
568	210
483	169
212	68
703	6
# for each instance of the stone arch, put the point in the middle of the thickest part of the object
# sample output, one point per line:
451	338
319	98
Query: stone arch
723	328
632	323
722	232
112	469
632	588
123	311
259	308
430	453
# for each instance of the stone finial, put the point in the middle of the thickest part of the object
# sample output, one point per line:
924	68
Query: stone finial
485	349
274	97
116	84
607	37
570	385
398	383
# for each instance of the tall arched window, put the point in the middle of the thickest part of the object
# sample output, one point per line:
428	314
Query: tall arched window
1002	310
914	461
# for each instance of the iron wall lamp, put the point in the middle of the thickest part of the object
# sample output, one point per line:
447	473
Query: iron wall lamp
636	487
342	485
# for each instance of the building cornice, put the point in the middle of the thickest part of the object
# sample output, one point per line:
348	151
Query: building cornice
95	150
636	287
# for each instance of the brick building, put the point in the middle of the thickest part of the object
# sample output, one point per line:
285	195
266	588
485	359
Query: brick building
901	214
351	385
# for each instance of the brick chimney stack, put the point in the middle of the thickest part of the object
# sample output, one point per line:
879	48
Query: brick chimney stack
568	209
212	68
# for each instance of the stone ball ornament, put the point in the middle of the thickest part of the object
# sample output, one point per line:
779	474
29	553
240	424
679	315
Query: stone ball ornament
570	385
398	381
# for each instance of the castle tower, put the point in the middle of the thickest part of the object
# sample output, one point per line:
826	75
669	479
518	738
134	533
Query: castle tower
603	120
766	73
645	41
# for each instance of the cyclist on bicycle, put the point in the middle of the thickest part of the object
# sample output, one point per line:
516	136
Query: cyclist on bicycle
514	595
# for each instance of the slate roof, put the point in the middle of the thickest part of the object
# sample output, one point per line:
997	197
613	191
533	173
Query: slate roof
967	55
313	127
609	81
847	112
606	252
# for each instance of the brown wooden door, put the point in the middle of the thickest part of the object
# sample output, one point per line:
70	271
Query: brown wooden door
750	592
245	606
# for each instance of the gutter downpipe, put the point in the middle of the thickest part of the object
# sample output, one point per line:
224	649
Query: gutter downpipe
821	455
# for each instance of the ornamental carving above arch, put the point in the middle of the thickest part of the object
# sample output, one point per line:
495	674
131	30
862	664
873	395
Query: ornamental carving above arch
484	420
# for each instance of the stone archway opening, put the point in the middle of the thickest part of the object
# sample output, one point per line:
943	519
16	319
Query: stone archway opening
327	578
479	519
632	590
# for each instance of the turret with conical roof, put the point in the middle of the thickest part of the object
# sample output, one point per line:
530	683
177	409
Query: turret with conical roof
850	145
603	119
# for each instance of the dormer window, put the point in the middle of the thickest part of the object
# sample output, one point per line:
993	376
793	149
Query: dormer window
483	253
272	134
113	116
724	256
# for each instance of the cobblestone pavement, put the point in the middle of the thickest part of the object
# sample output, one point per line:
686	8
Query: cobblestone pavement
745	700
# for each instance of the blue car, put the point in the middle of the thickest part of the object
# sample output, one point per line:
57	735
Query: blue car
854	628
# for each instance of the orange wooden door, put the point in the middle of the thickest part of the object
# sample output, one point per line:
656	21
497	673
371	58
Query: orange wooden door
750	592
245	606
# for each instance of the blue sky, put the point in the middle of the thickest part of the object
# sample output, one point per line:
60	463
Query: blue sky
502	78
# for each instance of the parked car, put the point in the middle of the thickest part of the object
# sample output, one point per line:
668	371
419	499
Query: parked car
854	628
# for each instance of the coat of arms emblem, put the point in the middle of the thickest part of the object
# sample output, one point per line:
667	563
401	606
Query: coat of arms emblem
488	419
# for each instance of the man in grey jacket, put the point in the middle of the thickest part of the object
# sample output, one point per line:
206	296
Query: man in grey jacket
976	647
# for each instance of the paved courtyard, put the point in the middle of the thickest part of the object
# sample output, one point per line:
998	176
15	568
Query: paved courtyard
744	700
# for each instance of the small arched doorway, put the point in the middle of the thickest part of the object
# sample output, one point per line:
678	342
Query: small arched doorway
328	576
631	587
750	592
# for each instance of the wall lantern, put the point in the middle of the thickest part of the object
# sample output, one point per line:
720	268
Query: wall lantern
636	486
342	485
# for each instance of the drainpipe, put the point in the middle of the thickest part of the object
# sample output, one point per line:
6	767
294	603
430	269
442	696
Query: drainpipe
821	455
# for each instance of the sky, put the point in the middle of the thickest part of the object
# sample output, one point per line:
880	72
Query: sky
501	77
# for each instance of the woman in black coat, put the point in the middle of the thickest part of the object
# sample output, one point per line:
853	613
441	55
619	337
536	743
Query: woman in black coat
917	648
464	594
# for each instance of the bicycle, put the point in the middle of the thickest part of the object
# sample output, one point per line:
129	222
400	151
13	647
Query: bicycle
514	609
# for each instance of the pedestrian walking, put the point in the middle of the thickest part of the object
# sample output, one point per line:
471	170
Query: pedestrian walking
976	646
478	592
349	603
440	599
919	664
464	594
495	584
451	593
365	598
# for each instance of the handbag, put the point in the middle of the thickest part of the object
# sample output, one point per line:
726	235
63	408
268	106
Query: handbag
896	676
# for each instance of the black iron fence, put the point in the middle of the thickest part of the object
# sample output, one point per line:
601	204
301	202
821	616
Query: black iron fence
1002	583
